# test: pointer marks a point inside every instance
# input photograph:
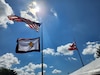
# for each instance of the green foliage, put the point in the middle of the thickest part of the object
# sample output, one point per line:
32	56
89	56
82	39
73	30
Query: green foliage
5	71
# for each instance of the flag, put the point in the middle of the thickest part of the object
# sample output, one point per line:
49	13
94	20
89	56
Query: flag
27	45
15	18
32	24
72	47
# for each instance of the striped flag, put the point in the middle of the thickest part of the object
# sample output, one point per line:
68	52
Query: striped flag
32	24
27	45
15	18
72	47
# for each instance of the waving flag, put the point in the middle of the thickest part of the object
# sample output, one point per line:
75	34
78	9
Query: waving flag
72	47
28	45
32	24
15	18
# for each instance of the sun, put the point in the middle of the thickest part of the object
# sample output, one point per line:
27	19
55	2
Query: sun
34	8
38	9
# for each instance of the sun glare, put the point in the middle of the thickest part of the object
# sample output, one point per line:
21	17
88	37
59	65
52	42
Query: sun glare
36	9
34	3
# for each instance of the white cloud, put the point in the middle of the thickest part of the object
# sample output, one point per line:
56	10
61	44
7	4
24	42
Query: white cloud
72	58
64	49
91	48
55	71
89	43
31	12
49	51
7	60
29	69
5	10
54	12
40	73
61	50
51	66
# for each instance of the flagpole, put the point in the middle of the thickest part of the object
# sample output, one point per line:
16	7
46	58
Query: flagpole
80	57
42	49
79	54
42	61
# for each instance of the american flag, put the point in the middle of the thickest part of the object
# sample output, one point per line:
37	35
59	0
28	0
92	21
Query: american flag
32	24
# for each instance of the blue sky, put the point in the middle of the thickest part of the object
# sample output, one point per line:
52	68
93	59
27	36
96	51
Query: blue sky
63	22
